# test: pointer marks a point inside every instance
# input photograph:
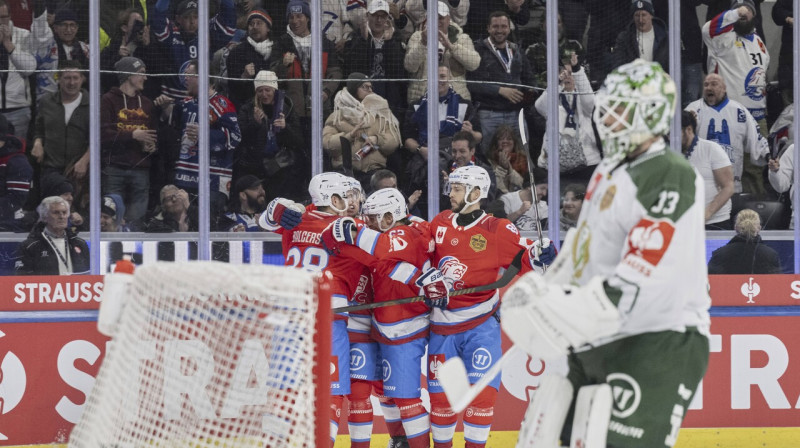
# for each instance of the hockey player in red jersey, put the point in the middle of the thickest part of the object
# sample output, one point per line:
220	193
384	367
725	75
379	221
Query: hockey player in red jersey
302	248
470	248
398	254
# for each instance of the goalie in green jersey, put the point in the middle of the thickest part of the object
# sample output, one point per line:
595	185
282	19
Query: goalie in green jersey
626	299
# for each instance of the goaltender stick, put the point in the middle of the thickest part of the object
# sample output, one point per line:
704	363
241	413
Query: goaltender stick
627	296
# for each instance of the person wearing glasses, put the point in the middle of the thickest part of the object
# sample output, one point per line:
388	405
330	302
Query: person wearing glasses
52	46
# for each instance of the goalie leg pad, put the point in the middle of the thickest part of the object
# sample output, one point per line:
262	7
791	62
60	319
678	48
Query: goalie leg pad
547	319
592	415
546	413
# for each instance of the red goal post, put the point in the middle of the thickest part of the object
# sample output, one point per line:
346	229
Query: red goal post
215	354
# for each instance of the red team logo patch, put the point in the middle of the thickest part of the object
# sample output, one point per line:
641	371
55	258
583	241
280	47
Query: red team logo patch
334	369
648	241
434	362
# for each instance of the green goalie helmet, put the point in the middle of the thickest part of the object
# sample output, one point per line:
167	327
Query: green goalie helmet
636	102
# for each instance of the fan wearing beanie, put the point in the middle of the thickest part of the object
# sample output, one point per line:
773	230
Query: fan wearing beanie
645	37
51	47
250	57
128	138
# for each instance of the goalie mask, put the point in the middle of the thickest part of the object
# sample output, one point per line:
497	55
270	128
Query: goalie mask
324	185
385	200
471	176
636	102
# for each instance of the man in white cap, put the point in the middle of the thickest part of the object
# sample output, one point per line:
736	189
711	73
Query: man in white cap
377	51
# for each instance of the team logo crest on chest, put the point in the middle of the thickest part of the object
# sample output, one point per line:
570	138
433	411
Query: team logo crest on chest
608	198
477	243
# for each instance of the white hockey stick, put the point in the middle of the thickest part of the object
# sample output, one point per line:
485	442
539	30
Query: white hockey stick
453	377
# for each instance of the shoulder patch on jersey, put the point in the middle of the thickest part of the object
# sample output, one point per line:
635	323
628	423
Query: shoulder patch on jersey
608	197
477	243
665	184
440	231
648	240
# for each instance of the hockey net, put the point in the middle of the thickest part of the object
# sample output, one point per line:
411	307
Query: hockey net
214	354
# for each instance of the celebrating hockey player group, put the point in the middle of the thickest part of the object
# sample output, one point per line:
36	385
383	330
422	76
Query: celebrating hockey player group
625	297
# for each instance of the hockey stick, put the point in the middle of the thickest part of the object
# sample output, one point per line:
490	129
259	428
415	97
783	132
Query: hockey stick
510	273
347	156
452	376
524	137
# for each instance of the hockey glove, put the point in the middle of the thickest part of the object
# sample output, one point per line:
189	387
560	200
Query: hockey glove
542	252
434	287
338	233
281	213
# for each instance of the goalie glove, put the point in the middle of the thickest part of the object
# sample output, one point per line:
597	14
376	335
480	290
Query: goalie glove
542	253
338	233
281	213
434	287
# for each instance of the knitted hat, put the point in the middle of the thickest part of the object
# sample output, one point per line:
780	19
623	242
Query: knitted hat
127	66
186	6
749	3
258	13
65	15
265	78
639	5
298	7
354	81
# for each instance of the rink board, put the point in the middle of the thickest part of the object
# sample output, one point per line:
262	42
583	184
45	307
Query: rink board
50	352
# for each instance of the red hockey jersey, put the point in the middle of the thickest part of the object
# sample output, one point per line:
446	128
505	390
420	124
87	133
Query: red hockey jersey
396	259
302	248
472	256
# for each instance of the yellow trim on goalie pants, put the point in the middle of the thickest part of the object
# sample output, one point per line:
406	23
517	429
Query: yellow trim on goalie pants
688	438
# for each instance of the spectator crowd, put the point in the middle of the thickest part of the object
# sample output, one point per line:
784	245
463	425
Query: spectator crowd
492	67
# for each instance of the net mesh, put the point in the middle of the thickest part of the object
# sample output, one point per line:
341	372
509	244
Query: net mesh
208	354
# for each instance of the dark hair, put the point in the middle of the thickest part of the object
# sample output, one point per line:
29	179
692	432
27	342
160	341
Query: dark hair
501	131
688	120
498	14
466	136
71	64
378	176
578	190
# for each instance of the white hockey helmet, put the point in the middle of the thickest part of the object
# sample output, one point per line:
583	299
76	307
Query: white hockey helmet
471	176
385	200
355	198
324	185
636	102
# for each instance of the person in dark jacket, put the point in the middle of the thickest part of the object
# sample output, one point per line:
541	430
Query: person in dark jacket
132	38
645	37
16	174
272	142
52	248
783	16
128	138
745	253
250	57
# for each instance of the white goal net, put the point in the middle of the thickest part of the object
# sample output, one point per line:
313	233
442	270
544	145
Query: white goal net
214	354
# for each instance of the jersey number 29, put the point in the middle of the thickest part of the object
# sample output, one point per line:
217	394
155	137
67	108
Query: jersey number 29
313	259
